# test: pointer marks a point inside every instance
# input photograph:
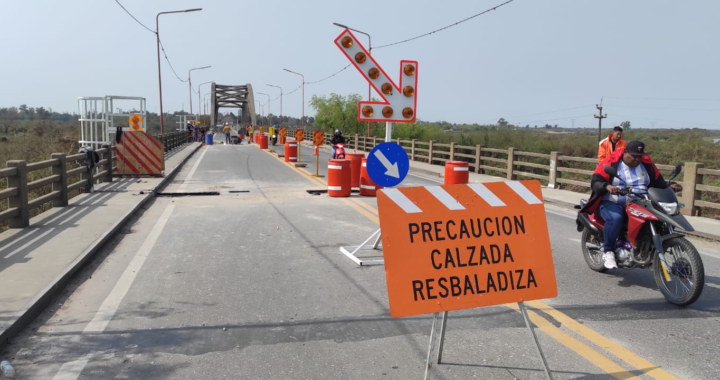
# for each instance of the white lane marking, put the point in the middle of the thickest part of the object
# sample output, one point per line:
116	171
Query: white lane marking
335	188
486	194
71	370
401	200
192	170
9	255
444	197
523	192
109	306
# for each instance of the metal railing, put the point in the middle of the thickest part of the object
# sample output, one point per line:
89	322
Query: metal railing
554	170
63	170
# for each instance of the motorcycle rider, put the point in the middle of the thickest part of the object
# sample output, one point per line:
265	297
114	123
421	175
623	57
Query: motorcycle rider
337	138
638	171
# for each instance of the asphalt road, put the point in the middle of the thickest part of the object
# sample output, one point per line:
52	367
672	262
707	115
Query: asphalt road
250	284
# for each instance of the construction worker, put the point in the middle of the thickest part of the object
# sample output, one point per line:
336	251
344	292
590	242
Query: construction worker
610	144
226	131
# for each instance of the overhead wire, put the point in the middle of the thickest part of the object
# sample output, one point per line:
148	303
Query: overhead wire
133	17
445	27
155	33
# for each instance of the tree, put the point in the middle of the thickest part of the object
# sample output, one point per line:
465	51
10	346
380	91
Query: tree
625	125
339	112
502	122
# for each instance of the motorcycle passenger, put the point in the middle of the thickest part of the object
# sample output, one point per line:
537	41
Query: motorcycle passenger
337	138
638	171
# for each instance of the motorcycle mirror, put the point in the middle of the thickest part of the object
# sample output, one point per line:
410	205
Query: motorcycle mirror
611	171
677	170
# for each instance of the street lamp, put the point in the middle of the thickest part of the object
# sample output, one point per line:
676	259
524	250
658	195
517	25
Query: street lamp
303	95
190	85
268	103
271	85
262	110
157	34
199	103
206	107
369	51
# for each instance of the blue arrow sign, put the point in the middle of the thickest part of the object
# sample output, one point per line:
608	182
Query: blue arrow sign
388	164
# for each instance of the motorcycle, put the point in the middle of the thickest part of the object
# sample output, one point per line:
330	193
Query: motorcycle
339	151
649	239
273	139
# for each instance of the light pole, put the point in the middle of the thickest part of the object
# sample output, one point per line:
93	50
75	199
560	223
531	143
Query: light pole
271	85
303	95
157	34
199	103
205	104
190	85
268	103
262	110
369	51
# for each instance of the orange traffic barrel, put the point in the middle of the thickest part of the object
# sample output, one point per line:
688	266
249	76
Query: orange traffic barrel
457	173
338	178
281	140
263	142
355	165
290	151
255	137
367	186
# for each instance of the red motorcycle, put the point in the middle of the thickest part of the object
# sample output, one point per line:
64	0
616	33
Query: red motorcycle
649	239
339	151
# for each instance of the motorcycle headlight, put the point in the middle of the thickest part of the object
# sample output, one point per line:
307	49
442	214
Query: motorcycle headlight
670	208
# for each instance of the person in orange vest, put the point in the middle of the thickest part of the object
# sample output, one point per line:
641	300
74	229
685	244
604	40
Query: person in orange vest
610	144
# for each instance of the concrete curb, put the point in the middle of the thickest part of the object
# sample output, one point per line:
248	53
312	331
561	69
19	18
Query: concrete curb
33	308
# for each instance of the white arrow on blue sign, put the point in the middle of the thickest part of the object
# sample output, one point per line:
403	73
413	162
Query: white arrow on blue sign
388	164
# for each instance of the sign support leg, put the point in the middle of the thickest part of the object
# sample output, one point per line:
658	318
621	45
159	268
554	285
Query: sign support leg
523	311
351	254
428	363
443	325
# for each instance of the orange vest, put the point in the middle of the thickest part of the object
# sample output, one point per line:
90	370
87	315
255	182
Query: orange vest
605	148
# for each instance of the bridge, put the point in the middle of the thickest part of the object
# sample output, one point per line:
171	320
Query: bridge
228	267
227	96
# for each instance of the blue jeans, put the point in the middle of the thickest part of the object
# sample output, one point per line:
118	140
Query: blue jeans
227	138
614	216
333	152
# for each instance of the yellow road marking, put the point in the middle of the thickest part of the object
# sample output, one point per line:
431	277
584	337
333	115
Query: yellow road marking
606	344
580	348
587	352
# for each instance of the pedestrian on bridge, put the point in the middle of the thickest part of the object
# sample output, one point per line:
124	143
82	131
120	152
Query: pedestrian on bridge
226	131
195	132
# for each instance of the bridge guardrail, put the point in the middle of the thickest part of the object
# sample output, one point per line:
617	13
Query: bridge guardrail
554	170
67	175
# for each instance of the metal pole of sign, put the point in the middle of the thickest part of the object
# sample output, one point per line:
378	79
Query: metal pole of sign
523	311
388	131
428	363
443	325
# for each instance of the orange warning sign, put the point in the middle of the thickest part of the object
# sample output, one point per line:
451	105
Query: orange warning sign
261	130
318	138
283	132
140	154
299	135
135	121
463	246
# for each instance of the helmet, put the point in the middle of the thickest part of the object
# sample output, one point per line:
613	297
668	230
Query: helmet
337	132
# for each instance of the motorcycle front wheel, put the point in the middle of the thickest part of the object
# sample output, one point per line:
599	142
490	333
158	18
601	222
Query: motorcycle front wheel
682	280
593	251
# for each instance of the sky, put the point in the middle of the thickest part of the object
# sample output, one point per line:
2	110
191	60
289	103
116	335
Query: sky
652	62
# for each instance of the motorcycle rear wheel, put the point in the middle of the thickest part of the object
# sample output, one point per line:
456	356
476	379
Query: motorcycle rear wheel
685	269
593	258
